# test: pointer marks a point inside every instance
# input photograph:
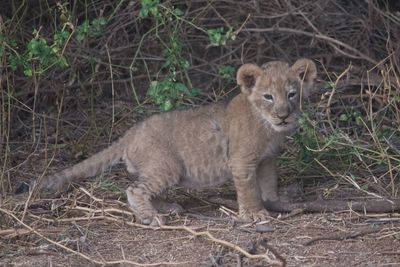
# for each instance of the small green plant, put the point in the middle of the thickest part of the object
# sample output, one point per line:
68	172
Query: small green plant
306	139
313	145
227	73
173	55
103	183
148	7
40	56
175	87
89	29
168	93
351	116
8	49
219	36
329	85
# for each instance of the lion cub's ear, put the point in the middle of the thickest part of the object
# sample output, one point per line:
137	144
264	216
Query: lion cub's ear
307	71
247	76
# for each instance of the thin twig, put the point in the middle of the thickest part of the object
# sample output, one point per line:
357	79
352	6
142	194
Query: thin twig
343	236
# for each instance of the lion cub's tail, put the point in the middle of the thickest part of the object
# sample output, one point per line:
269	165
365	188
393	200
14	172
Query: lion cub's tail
88	167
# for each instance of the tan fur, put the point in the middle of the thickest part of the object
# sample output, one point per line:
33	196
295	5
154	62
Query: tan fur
205	147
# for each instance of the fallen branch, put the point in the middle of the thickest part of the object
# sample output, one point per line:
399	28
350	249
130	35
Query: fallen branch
343	236
371	205
13	232
263	242
208	218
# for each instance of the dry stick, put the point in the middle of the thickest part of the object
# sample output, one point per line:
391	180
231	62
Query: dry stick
102	202
265	244
83	255
106	210
75	219
112	94
91	195
330	41
343	236
13	232
207	218
27	204
328	104
374	206
380	205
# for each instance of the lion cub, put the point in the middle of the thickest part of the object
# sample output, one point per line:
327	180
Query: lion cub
206	146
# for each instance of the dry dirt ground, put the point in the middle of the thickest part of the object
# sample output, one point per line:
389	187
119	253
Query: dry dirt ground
88	227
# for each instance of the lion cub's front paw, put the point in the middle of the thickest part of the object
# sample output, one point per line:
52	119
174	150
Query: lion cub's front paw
155	221
251	216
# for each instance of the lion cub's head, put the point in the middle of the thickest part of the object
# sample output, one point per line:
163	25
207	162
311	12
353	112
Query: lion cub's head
275	89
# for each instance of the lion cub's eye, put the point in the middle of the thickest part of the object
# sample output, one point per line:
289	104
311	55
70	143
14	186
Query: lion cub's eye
291	95
268	97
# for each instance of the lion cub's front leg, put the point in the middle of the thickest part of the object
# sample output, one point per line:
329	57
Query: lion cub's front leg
248	193
268	180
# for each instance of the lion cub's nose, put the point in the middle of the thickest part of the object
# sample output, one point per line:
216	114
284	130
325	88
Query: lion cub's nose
282	113
283	116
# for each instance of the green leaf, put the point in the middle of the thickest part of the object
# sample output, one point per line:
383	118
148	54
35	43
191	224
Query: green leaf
227	72
182	88
28	72
60	37
144	13
13	63
178	12
32	45
80	37
329	85
149	7
63	62
343	117
215	36
195	91
167	105
219	37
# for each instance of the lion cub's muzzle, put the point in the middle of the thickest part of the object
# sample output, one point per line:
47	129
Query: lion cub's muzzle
284	124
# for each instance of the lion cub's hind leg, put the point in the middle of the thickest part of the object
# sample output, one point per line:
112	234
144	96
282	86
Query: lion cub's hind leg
139	199
154	179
